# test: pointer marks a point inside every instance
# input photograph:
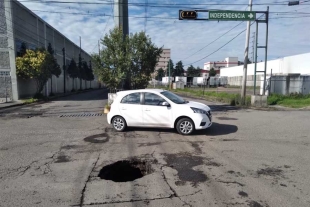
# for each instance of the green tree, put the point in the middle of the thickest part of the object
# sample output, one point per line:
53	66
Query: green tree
193	72
198	72
212	72
85	70
179	69
90	73
129	60
171	66
144	57
54	67
80	71
110	67
35	65
73	72
160	73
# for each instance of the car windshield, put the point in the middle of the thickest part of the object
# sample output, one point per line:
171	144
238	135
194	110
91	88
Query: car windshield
173	97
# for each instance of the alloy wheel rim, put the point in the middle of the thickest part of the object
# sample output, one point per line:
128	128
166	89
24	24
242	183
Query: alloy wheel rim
118	124
186	127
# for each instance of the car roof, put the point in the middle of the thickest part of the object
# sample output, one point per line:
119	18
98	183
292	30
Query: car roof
140	90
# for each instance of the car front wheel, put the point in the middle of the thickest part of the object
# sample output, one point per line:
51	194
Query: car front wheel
185	126
119	123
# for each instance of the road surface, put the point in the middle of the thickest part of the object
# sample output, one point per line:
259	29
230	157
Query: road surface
63	153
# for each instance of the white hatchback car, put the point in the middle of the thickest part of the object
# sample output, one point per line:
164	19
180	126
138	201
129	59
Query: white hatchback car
159	109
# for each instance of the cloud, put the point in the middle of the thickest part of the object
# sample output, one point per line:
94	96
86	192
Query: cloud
287	36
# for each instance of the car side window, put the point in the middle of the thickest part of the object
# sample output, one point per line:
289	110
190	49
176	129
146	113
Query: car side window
133	98
153	99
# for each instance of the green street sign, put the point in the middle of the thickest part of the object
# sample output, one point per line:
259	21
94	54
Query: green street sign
226	15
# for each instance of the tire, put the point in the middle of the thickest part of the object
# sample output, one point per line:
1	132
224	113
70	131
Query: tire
119	124
185	126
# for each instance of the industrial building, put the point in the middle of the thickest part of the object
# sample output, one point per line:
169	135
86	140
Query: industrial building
20	25
296	64
217	65
164	59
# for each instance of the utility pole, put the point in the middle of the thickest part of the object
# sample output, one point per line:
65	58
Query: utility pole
245	66
90	67
169	75
64	67
99	48
253	47
80	65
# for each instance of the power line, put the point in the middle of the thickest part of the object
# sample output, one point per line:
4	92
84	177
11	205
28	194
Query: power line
138	17
112	10
156	4
36	42
222	45
216	38
145	20
213	41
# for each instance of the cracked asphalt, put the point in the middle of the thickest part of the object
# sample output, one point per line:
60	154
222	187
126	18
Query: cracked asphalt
52	153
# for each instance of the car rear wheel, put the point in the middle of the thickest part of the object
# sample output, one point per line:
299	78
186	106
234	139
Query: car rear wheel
185	126
119	123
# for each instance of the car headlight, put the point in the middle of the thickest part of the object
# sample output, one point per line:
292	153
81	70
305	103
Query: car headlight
199	111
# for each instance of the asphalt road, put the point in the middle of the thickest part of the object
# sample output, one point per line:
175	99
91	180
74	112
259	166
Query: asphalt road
63	153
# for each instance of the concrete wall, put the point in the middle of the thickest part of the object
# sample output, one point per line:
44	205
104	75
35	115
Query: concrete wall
31	29
287	84
5	88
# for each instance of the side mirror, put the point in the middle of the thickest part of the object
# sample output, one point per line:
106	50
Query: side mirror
165	104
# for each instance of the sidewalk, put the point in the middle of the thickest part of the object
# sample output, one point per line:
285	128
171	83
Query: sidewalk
21	103
10	104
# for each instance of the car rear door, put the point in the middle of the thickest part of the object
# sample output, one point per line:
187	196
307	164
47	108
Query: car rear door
131	109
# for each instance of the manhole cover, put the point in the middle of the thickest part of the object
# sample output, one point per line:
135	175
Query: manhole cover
125	170
226	118
81	115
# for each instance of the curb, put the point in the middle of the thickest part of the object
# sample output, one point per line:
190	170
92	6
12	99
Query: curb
48	100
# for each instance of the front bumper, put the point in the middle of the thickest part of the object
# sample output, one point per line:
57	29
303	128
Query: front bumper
202	121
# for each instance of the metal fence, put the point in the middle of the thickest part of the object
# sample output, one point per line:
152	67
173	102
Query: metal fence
5	88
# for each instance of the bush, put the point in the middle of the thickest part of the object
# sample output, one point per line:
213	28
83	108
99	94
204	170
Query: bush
52	94
39	96
273	99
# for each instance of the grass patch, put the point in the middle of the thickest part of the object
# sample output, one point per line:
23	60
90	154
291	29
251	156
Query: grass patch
293	100
30	100
230	98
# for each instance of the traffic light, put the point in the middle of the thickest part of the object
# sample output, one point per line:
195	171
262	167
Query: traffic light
187	14
293	3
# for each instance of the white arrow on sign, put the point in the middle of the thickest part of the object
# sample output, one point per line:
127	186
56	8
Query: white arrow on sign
250	16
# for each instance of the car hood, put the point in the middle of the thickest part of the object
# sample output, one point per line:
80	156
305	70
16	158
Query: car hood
198	105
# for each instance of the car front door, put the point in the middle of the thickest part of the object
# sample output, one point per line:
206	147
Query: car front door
131	109
154	113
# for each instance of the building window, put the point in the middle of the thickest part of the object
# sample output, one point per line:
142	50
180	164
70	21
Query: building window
19	44
4	73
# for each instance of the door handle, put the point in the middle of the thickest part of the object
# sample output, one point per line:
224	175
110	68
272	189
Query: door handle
147	110
123	108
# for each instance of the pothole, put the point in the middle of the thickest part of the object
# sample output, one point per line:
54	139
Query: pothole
62	158
98	138
184	163
126	170
270	171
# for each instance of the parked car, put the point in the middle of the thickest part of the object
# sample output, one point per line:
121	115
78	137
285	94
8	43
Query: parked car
159	109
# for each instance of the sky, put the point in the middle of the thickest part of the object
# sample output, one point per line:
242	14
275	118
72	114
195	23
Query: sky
191	41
